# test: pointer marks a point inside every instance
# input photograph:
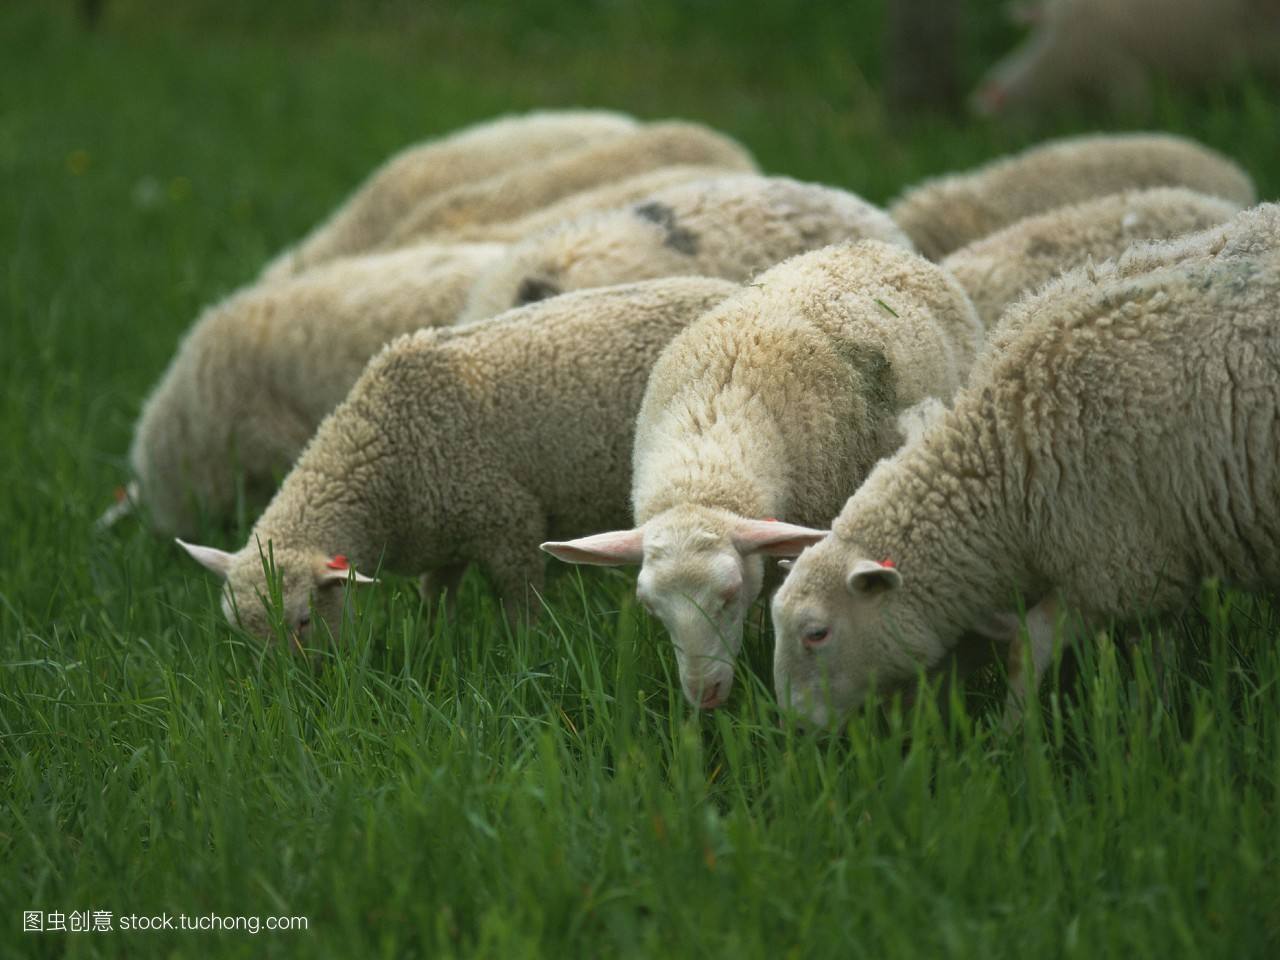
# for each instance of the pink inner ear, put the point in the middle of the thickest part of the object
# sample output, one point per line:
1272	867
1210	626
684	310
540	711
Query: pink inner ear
338	562
615	548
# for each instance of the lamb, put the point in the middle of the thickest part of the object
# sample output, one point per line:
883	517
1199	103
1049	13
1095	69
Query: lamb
428	169
775	404
468	444
520	191
731	226
944	214
998	269
1114	449
255	375
1106	49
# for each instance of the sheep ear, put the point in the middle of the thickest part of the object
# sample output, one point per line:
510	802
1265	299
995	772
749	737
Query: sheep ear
216	561
868	578
613	549
774	538
337	569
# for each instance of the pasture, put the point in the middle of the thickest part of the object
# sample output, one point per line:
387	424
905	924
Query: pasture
436	791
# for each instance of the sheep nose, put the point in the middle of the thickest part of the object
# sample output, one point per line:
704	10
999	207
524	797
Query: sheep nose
706	696
711	697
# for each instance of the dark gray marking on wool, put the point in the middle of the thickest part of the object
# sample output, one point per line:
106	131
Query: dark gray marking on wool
532	290
678	238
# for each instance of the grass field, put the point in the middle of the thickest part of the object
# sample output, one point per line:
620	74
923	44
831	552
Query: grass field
438	792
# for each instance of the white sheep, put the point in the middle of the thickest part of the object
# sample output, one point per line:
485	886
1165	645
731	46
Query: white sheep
944	214
518	192
731	226
255	375
998	269
425	170
774	405
468	444
1108	49
1111	450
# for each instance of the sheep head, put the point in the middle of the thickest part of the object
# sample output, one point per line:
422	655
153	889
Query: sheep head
701	570
306	584
845	628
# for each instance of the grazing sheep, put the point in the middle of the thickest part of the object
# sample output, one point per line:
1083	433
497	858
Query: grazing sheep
428	169
1000	268
775	404
470	444
258	371
731	227
944	214
522	190
1107	49
607	196
1109	453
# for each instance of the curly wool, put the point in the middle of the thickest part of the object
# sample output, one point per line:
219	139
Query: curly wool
607	196
533	186
944	214
731	227
1010	263
255	375
1116	447
425	170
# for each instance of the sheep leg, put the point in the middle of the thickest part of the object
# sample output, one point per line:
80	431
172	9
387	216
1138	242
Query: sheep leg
1028	662
447	581
517	576
507	546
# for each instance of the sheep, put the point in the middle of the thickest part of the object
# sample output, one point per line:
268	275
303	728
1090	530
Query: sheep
520	191
1112	450
732	227
944	214
607	196
467	444
775	404
428	169
1107	49
1001	267
255	375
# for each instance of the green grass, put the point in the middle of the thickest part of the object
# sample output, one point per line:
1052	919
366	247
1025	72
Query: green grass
434	792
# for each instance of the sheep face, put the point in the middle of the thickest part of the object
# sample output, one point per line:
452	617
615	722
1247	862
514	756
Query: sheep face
696	581
701	570
845	628
311	591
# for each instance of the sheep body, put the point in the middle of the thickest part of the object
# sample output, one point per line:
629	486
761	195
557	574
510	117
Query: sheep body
517	192
998	269
1107	49
1112	450
774	404
427	169
471	444
606	196
944	214
731	226
255	375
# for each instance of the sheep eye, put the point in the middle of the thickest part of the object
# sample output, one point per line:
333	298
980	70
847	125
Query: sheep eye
816	636
304	621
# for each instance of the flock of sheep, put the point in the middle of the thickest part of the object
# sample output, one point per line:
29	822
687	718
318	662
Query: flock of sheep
1051	381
